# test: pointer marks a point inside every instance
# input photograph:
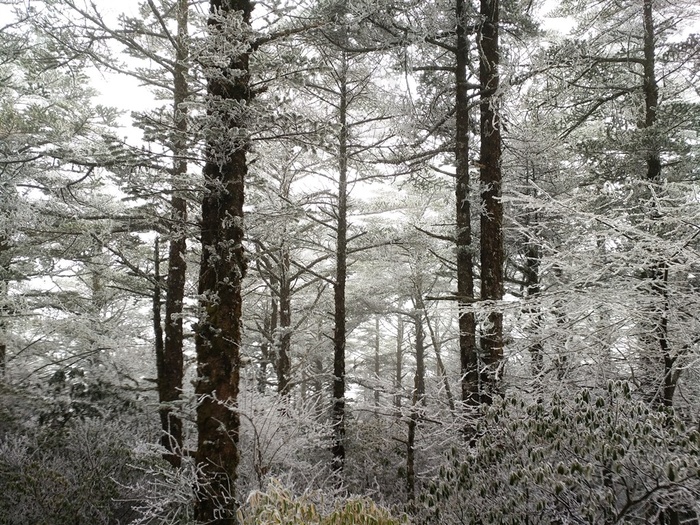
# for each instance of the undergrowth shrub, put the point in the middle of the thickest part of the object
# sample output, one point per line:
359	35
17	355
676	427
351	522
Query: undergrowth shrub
277	506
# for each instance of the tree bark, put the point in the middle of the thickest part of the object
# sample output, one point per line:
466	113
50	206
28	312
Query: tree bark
223	266
469	365
657	273
157	303
377	365
398	370
171	374
491	206
266	345
419	382
284	337
5	259
339	331
411	450
417	398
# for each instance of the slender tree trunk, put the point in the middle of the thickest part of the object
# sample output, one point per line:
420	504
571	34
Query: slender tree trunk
657	273
5	258
418	398
157	303
218	336
411	449
531	279
469	364
3	344
492	208
532	283
419	382
171	374
339	333
561	360
651	91
398	370
318	371
284	339
265	348
660	271
442	371
377	367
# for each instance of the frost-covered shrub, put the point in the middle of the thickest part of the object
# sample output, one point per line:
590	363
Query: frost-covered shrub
78	475
277	506
283	439
376	459
594	459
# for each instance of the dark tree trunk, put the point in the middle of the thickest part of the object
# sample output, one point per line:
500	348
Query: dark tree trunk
170	376
265	347
657	273
398	370
492	208
223	266
411	451
442	371
274	319
339	331
531	279
157	303
418	398
377	364
465	272
284	338
419	382
3	350
5	258
651	90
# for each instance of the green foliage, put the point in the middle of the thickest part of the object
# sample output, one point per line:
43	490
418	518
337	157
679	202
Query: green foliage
603	458
278	506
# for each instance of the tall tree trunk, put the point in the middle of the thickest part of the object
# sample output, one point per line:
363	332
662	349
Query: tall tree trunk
419	382
223	266
274	319
469	364
442	371
171	374
318	371
418	398
491	206
339	332
377	367
658	273
5	259
157	303
411	448
398	370
284	337
531	279
265	347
